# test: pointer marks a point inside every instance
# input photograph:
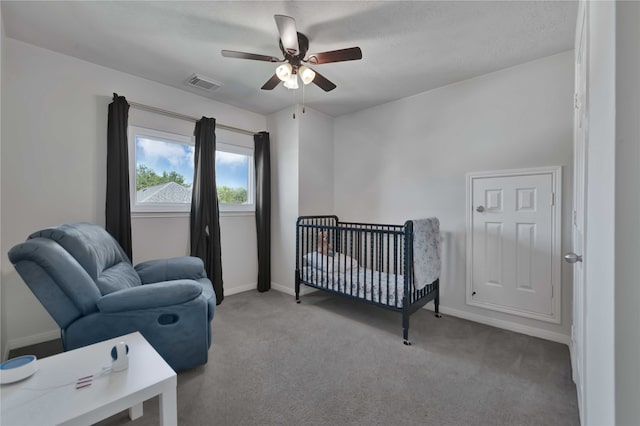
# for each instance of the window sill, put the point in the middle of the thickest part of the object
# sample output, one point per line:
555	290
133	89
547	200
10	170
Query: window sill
237	213
145	215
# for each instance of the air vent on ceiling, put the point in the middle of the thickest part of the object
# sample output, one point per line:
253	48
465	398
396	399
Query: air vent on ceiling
203	83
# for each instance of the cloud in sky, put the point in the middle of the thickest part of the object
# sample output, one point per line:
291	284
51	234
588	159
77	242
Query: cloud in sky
157	153
230	159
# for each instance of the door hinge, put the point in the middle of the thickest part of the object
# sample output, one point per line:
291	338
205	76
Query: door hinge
576	100
553	198
552	292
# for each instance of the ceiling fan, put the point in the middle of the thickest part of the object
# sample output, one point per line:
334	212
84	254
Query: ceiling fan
294	46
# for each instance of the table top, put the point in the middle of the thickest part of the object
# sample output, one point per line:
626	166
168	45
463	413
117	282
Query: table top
54	394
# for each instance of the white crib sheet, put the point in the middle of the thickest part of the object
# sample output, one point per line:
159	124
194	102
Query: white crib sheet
360	282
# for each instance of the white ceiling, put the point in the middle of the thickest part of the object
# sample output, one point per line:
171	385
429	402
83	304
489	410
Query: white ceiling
408	46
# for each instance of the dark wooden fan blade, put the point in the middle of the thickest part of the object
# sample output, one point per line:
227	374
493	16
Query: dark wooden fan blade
288	33
243	55
272	83
322	82
349	54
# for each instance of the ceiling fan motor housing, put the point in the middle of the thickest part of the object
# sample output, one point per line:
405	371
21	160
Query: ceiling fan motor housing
303	46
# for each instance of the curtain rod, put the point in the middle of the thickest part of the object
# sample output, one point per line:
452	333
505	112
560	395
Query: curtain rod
188	117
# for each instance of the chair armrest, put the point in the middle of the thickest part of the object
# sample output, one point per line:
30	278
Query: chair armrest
175	268
150	296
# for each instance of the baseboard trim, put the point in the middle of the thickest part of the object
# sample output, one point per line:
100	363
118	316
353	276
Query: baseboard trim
291	291
33	339
573	360
283	289
505	325
240	289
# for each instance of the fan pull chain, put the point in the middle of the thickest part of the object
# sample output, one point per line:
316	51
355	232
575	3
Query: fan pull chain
294	103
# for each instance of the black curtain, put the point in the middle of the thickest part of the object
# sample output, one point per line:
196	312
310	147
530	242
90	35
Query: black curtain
263	208
205	217
118	209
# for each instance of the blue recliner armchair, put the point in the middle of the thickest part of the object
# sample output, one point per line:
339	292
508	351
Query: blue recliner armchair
87	283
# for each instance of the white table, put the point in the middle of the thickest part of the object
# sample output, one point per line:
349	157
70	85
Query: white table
50	397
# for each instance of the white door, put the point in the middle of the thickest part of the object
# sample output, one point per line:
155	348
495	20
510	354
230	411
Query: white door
577	234
514	235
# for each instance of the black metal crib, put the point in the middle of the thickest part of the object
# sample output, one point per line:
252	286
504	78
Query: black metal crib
368	262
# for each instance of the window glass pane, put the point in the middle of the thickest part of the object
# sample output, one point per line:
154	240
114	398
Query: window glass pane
163	167
164	171
232	177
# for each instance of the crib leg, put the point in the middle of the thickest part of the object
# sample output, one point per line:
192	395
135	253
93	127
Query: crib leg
405	328
436	301
297	281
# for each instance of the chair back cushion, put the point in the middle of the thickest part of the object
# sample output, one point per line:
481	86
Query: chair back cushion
58	281
97	252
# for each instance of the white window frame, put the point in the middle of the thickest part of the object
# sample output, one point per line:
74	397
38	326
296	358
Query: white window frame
183	209
136	207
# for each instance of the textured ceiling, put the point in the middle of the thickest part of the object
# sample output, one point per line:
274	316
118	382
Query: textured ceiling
408	46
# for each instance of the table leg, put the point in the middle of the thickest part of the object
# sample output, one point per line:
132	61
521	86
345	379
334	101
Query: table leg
168	407
135	412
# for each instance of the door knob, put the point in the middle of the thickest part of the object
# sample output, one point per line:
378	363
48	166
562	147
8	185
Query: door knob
572	258
480	209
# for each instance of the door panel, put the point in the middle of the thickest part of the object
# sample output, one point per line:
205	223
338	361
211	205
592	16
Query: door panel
512	228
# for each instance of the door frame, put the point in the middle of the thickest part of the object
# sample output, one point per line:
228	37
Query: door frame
556	241
598	401
578	214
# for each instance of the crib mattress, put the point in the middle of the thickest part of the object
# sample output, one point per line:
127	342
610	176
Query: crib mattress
374	286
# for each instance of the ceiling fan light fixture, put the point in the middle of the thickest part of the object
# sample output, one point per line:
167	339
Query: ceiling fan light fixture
284	71
294	46
306	74
292	83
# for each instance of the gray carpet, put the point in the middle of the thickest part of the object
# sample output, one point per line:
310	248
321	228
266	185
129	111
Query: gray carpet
332	361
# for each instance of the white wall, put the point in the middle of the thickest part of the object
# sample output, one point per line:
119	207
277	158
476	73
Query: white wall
301	182
284	138
3	325
238	236
54	168
627	291
316	163
407	159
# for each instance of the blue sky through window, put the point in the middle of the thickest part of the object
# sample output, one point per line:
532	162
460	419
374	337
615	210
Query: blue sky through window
232	170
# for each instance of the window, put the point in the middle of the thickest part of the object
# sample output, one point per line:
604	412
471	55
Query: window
234	177
161	171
